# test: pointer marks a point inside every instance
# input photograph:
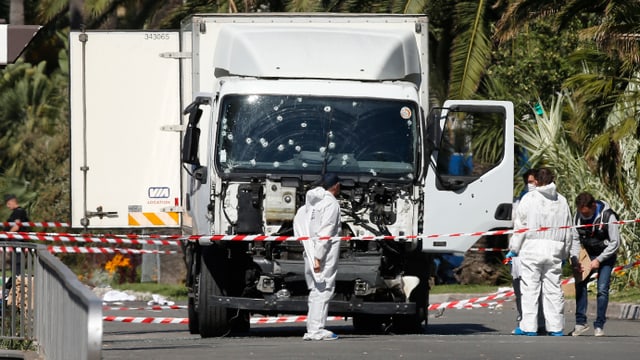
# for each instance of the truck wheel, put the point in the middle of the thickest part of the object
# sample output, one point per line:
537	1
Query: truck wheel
413	324
408	324
193	279
194	324
213	320
419	265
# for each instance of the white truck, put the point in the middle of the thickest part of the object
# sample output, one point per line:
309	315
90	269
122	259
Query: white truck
270	103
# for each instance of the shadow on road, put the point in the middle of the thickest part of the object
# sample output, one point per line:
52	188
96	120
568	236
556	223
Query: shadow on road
458	329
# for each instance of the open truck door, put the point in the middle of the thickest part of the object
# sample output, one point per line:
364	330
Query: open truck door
469	185
125	129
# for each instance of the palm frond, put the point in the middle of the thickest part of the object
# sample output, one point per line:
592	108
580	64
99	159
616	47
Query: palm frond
471	49
519	14
409	7
49	9
304	6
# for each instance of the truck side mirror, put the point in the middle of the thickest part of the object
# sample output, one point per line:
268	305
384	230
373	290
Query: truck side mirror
190	146
192	138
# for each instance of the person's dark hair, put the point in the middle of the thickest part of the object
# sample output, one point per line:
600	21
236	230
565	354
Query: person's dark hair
8	197
584	199
526	174
329	179
544	176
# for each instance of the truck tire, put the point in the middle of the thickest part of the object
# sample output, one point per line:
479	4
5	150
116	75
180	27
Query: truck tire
213	321
409	324
194	324
193	280
419	265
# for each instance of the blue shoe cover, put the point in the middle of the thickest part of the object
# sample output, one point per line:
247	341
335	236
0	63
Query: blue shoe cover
519	331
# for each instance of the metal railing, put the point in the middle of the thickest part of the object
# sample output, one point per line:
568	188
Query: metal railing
48	304
17	269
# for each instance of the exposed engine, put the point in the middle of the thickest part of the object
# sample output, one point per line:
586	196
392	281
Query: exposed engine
368	208
371	208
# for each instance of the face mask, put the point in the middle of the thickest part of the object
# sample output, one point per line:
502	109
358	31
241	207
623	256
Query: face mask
531	187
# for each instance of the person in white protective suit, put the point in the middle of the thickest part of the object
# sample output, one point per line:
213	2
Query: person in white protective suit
320	217
529	180
541	254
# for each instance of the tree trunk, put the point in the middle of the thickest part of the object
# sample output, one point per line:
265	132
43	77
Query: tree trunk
16	12
76	14
485	267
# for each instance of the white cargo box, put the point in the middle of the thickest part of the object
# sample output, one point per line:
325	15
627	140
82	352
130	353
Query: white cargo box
133	164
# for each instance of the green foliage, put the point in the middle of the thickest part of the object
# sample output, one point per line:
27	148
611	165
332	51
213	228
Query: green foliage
628	293
174	292
533	65
34	144
459	47
607	99
175	15
23	345
13	327
462	289
304	6
470	54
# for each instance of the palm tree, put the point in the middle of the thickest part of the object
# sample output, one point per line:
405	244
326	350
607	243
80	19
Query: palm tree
16	12
460	46
609	78
34	133
30	107
601	116
471	47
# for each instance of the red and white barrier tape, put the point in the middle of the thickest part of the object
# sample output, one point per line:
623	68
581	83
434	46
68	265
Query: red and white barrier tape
61	237
487	249
484	304
136	239
390	237
18	249
288	319
146	320
101	250
457	304
253	320
53	224
91	250
152	308
627	266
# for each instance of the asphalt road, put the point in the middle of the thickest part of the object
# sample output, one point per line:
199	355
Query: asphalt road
480	333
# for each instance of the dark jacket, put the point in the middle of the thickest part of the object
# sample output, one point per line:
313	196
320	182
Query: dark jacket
601	240
18	214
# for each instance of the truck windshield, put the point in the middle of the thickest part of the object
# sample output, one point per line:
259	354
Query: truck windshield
307	134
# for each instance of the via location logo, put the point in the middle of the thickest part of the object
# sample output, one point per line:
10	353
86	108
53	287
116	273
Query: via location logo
158	192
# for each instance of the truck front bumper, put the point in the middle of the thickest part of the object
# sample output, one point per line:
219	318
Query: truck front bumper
299	306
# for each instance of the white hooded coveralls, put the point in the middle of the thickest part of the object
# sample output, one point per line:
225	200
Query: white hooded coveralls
541	254
319	217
